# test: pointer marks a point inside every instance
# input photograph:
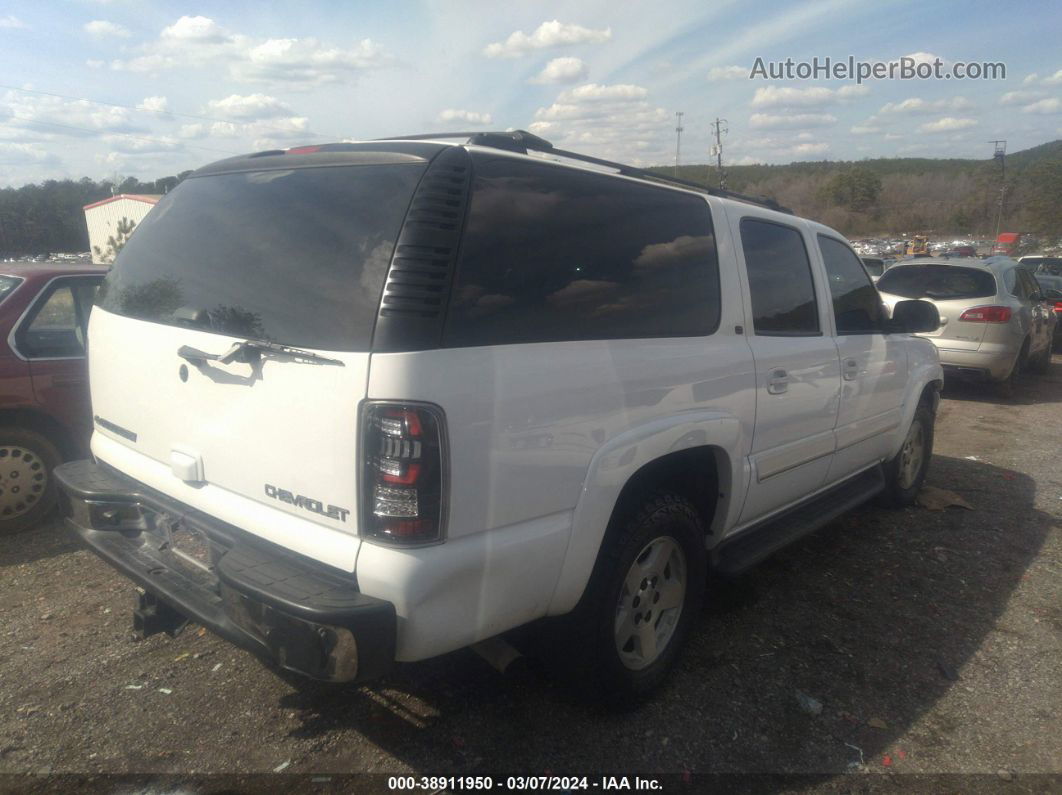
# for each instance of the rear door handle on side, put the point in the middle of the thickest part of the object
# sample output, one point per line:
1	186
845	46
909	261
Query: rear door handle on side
851	369
777	381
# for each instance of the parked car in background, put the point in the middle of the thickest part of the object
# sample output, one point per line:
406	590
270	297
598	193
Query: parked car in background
994	321
961	251
45	415
1034	262
875	266
1048	275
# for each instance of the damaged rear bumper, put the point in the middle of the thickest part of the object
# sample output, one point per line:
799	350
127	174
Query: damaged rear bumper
297	613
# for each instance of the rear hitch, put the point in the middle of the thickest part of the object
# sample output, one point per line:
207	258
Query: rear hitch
152	616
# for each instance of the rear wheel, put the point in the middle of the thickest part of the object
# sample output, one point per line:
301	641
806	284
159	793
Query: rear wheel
1041	363
1006	386
27	488
643	597
905	474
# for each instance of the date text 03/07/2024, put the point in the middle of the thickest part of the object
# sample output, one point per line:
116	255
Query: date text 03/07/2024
520	783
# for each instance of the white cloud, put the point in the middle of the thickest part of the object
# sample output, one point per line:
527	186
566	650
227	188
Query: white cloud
194	29
129	144
26	154
193	131
546	36
467	116
864	129
157	104
10	22
592	92
104	29
1019	97
249	107
814	96
1052	105
58	116
918	105
728	73
947	124
1054	79
196	42
561	70
612	121
766	121
307	61
1031	78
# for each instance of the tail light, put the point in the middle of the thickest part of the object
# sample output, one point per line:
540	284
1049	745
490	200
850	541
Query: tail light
1058	306
404	472
986	314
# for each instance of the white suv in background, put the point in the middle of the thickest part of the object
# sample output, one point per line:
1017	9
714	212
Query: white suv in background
373	402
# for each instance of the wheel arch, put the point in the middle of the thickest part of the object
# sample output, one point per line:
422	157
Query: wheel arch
693	455
44	424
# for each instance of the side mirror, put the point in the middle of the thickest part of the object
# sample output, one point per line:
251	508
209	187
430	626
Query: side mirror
914	317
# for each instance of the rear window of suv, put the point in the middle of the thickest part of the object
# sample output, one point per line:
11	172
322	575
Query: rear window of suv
552	253
937	282
295	256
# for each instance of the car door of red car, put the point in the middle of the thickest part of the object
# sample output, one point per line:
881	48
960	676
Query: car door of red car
51	337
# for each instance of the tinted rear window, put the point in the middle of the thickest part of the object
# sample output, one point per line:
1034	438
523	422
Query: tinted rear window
939	282
553	253
296	256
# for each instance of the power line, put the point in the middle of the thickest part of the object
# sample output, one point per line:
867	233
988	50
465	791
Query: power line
126	135
141	108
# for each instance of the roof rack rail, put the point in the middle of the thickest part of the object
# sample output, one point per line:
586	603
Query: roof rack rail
521	141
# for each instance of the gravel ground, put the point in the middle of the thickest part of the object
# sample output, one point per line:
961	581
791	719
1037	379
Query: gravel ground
931	639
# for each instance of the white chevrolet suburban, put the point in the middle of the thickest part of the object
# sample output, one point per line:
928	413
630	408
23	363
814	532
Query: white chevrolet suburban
373	402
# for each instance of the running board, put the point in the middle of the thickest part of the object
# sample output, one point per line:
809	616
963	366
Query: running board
751	546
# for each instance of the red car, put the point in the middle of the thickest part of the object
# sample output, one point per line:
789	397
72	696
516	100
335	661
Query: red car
45	414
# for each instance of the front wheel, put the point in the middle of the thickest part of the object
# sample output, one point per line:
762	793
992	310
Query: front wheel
905	474
644	596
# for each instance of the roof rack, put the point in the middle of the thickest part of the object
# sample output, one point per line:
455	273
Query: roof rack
522	142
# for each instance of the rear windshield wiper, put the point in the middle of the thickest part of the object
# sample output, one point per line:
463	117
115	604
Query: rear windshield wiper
250	350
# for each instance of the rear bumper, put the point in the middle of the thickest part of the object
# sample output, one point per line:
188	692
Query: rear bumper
285	608
994	364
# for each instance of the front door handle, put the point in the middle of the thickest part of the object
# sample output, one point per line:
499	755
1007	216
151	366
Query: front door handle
851	369
777	381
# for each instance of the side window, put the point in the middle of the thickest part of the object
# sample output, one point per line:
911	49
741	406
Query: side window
1031	287
856	303
780	281
552	253
56	329
1019	288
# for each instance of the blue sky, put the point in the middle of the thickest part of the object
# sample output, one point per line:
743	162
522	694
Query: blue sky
193	82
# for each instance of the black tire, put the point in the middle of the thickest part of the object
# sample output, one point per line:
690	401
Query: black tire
27	491
901	488
1041	364
591	655
1007	385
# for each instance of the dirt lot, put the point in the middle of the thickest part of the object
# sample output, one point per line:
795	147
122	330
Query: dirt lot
932	639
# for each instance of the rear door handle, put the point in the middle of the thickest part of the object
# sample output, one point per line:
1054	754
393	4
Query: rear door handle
851	369
777	381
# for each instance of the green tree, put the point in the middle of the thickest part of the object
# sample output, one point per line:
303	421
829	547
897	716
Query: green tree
856	189
117	241
1043	203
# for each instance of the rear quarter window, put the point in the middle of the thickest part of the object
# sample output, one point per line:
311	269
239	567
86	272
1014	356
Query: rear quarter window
552	253
939	282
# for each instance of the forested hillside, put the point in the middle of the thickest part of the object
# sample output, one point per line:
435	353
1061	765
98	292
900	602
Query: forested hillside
898	195
866	197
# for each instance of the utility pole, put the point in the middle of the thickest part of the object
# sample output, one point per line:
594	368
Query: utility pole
1000	154
720	128
678	137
